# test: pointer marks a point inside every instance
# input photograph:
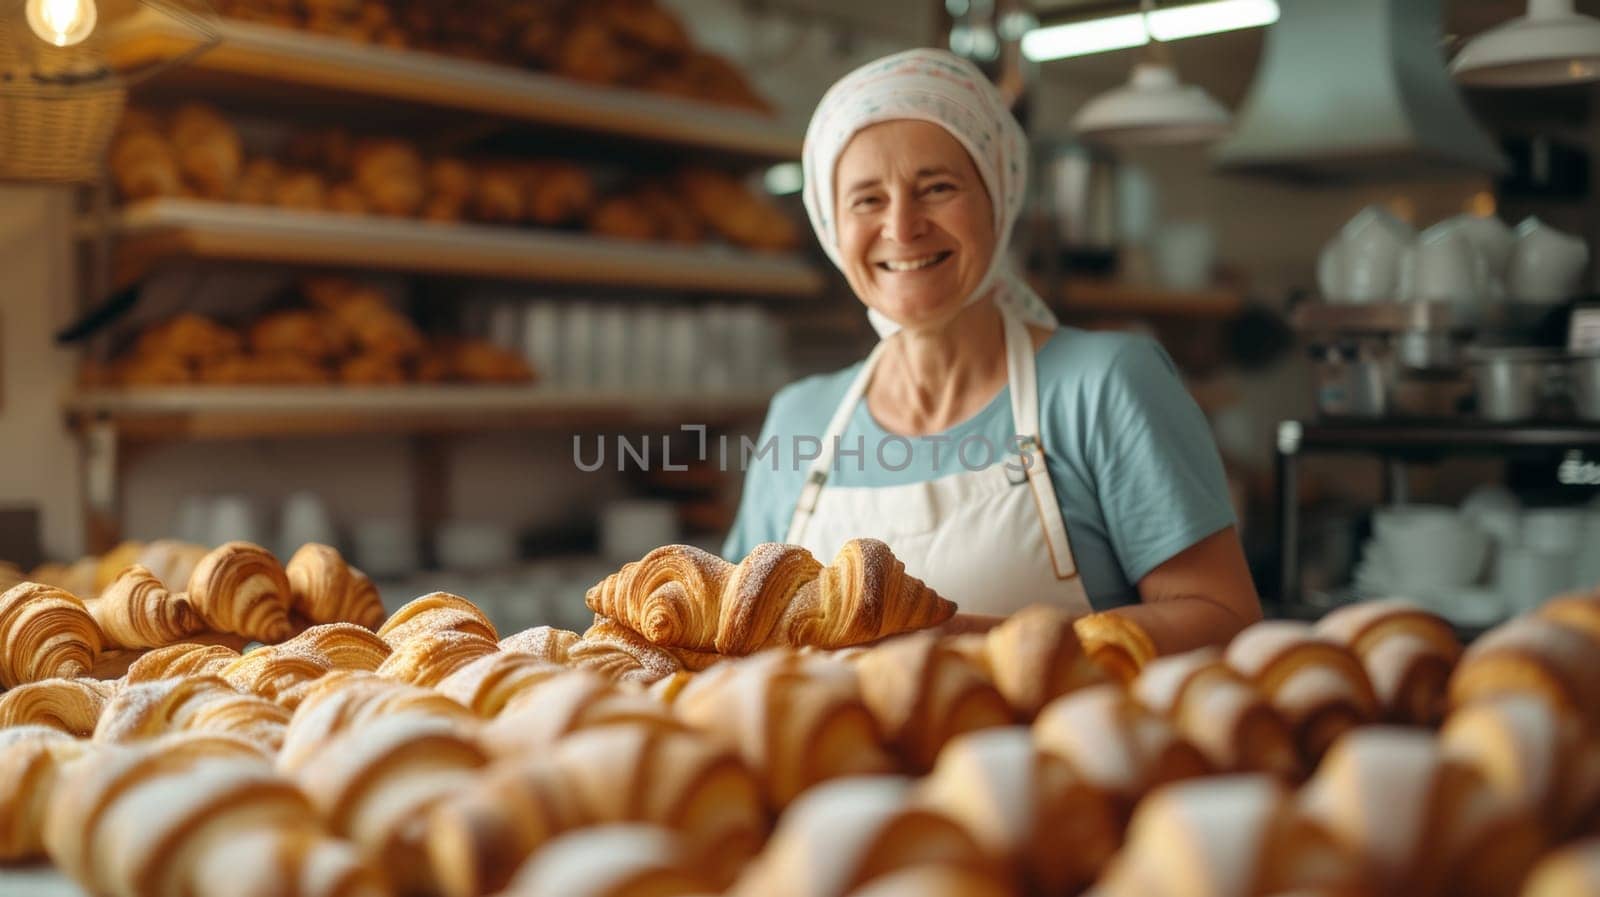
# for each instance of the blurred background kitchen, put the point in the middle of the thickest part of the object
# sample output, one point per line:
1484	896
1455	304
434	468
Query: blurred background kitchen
382	273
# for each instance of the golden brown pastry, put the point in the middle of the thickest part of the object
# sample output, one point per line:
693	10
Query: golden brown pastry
171	561
391	175
1220	712
258	182
1033	658
679	596
346	199
111	564
1229	836
45	633
1532	756
144	165
1116	644
736	212
1115	744
308	333
605	775
675	220
427	658
841	834
590	52
202	703
1578	610
485	685
183	659
1423	824
547	643
240	587
345	646
1408	654
622	218
209	151
76	578
10	575
349	700
1532	655
372	370
188	337
188	817
621	655
304	191
277	673
450	179
936	881
70	705
498	196
795	719
1569	872
923	694
30	767
374	785
137	611
553	709
325	589
1317	684
611	861
1024	806
480	361
434	612
558	193
645	24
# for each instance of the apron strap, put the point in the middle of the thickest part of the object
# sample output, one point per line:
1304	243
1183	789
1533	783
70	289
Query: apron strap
1022	367
817	475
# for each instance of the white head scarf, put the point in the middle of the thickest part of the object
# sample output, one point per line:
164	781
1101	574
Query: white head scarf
941	88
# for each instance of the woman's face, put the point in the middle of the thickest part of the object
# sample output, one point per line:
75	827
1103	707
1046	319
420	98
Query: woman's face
916	230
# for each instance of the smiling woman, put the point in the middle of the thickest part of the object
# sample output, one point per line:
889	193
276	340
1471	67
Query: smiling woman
1006	460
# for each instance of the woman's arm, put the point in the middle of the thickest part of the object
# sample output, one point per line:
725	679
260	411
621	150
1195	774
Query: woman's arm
1201	596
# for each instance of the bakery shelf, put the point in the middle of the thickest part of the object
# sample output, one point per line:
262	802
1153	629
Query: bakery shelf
256	58
221	412
155	231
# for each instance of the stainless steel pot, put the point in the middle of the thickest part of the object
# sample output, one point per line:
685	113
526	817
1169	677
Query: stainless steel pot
1512	383
1583	372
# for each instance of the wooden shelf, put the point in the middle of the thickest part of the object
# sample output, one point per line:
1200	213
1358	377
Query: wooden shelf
1110	297
156	231
223	412
257	58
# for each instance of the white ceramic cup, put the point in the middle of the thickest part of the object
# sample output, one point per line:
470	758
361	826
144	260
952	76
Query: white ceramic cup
1363	262
1185	252
1528	577
1547	264
1454	548
1554	530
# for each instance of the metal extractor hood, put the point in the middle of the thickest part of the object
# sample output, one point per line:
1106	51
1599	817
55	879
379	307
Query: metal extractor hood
1356	90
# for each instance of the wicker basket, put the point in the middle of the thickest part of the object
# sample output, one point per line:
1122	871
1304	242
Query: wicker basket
58	106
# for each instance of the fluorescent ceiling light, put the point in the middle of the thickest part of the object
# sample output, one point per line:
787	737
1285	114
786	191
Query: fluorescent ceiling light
1125	31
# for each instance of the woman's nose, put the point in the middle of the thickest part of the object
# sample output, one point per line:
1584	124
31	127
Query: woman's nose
905	222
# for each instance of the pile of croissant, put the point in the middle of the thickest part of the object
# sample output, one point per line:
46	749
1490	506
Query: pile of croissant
781	727
637	43
335	330
195	152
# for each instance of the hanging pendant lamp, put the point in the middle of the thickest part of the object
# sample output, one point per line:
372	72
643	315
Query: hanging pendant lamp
1549	46
1154	106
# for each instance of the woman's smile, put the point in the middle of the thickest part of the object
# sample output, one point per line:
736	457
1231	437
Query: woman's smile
914	265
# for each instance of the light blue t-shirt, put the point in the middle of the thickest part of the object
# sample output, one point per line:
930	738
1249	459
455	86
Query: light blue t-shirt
1129	452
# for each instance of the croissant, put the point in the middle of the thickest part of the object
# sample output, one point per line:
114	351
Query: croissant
345	646
209	151
1115	643
349	700
1421	823
1229	836
1571	871
544	642
485	685
374	784
70	705
1408	654
1220	712
558	193
189	337
171	561
112	563
561	705
1317	684
194	704
622	655
923	694
184	659
433	612
604	775
735	212
667	690
136	611
679	596
390	174
277	673
192	817
30	766
935	881
1531	755
240	587
426	659
143	165
838	835
795	719
325	589
1115	744
1576	611
1532	655
611	861
1023	805
1034	657
45	633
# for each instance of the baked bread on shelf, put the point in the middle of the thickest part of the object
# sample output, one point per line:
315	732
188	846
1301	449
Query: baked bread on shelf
795	719
190	704
1408	654
1027	808
345	646
618	653
679	596
45	633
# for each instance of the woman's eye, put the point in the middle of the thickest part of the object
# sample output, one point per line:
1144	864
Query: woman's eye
864	203
941	187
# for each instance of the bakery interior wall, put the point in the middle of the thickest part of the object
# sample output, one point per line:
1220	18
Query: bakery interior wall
1267	237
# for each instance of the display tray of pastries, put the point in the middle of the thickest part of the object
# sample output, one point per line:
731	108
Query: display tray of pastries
213	721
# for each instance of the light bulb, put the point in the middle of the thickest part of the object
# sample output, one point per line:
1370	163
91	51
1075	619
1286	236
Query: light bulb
62	22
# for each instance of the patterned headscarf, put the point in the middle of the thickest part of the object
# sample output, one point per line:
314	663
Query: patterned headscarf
941	88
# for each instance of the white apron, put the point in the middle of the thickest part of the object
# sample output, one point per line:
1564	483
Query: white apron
991	540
